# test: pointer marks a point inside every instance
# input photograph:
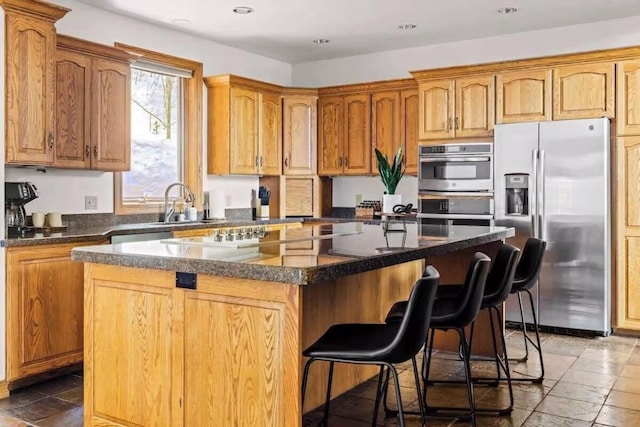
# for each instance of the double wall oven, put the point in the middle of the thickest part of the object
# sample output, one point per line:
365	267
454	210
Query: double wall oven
455	183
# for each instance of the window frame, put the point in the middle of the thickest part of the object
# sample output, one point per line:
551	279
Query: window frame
192	132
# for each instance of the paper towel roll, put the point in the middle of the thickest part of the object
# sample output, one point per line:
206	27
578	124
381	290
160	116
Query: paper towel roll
217	204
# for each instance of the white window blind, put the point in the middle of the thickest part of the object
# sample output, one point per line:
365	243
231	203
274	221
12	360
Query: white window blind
155	67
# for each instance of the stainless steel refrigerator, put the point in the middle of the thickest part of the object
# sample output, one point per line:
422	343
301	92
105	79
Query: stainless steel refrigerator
552	181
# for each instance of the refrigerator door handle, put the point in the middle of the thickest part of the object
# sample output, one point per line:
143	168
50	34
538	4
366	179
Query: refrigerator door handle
541	202
533	193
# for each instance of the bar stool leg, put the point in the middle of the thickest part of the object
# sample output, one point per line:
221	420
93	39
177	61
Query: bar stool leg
396	383
420	402
524	331
467	372
327	403
506	368
379	390
305	377
538	345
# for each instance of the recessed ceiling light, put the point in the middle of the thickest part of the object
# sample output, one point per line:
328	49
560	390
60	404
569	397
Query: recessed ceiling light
507	10
181	21
321	41
243	10
407	26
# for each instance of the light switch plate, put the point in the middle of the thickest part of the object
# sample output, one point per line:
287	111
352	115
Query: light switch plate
91	202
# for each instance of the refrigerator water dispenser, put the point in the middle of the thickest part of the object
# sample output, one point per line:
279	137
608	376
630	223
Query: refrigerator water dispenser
517	197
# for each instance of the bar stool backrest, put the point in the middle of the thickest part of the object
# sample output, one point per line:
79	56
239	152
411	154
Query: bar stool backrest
469	300
500	278
530	264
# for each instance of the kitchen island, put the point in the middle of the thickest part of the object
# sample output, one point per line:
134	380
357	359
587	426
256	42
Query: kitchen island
210	330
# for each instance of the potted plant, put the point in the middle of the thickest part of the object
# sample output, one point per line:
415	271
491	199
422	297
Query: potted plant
390	174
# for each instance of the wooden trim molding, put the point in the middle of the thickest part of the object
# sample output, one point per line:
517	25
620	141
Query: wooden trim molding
4	389
378	86
233	80
39	9
529	64
193	172
93	49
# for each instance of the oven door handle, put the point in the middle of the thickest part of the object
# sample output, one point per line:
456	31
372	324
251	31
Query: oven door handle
455	159
454	216
448	194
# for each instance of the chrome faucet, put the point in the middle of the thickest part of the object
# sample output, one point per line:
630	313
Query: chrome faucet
170	210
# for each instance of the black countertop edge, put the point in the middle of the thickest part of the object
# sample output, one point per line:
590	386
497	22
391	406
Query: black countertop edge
291	275
89	234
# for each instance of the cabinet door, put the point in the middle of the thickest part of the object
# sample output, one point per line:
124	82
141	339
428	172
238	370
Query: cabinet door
523	96
474	107
357	134
628	122
111	116
385	122
300	135
30	83
409	129
627	199
243	158
436	109
583	91
44	309
270	153
330	135
73	100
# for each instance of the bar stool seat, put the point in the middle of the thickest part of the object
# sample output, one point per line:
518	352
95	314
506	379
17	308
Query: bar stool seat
379	344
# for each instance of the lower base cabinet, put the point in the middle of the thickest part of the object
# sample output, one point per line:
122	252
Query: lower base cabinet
44	309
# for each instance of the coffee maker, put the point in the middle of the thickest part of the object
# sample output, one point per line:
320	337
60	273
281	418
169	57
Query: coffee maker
16	195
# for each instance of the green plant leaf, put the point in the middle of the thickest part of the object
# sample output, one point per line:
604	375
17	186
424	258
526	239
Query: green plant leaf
390	175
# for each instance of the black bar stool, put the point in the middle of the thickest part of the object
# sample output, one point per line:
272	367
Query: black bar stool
379	344
526	277
455	313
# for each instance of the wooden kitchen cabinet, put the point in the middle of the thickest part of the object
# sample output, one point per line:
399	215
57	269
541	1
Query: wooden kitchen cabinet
299	135
523	96
385	125
627	234
584	91
628	98
93	106
458	108
409	129
344	146
244	126
44	309
30	80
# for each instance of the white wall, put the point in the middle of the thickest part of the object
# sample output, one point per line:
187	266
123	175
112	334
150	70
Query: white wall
64	191
397	64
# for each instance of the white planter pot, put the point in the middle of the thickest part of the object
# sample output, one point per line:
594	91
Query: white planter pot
389	201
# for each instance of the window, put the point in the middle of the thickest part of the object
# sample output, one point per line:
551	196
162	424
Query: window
166	131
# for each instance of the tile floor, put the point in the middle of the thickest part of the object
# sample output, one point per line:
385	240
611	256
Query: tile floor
588	382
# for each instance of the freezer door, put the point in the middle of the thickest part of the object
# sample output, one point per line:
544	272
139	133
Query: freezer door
515	149
575	281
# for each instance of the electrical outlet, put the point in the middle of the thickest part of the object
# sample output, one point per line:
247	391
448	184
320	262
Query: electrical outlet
91	202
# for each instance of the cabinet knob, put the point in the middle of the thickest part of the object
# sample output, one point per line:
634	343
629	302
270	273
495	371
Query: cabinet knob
257	161
340	161
50	141
449	124
286	162
95	151
457	123
87	150
260	161
346	162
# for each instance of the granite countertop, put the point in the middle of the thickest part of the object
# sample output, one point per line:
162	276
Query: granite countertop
299	256
88	233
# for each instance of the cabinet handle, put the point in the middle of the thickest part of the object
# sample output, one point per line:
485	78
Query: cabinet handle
87	150
346	162
50	139
257	164
286	162
340	161
260	161
95	151
449	124
457	123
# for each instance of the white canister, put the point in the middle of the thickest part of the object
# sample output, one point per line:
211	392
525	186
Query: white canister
54	219
192	214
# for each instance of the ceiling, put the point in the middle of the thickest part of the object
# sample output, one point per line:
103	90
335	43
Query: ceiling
284	29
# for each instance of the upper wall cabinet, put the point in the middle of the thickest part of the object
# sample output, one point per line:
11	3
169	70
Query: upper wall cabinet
30	80
244	127
344	142
92	106
299	134
456	108
523	96
628	96
385	124
409	129
583	91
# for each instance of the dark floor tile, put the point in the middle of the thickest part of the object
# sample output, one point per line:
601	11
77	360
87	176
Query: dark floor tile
40	409
516	419
71	418
58	385
8	421
75	395
20	398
